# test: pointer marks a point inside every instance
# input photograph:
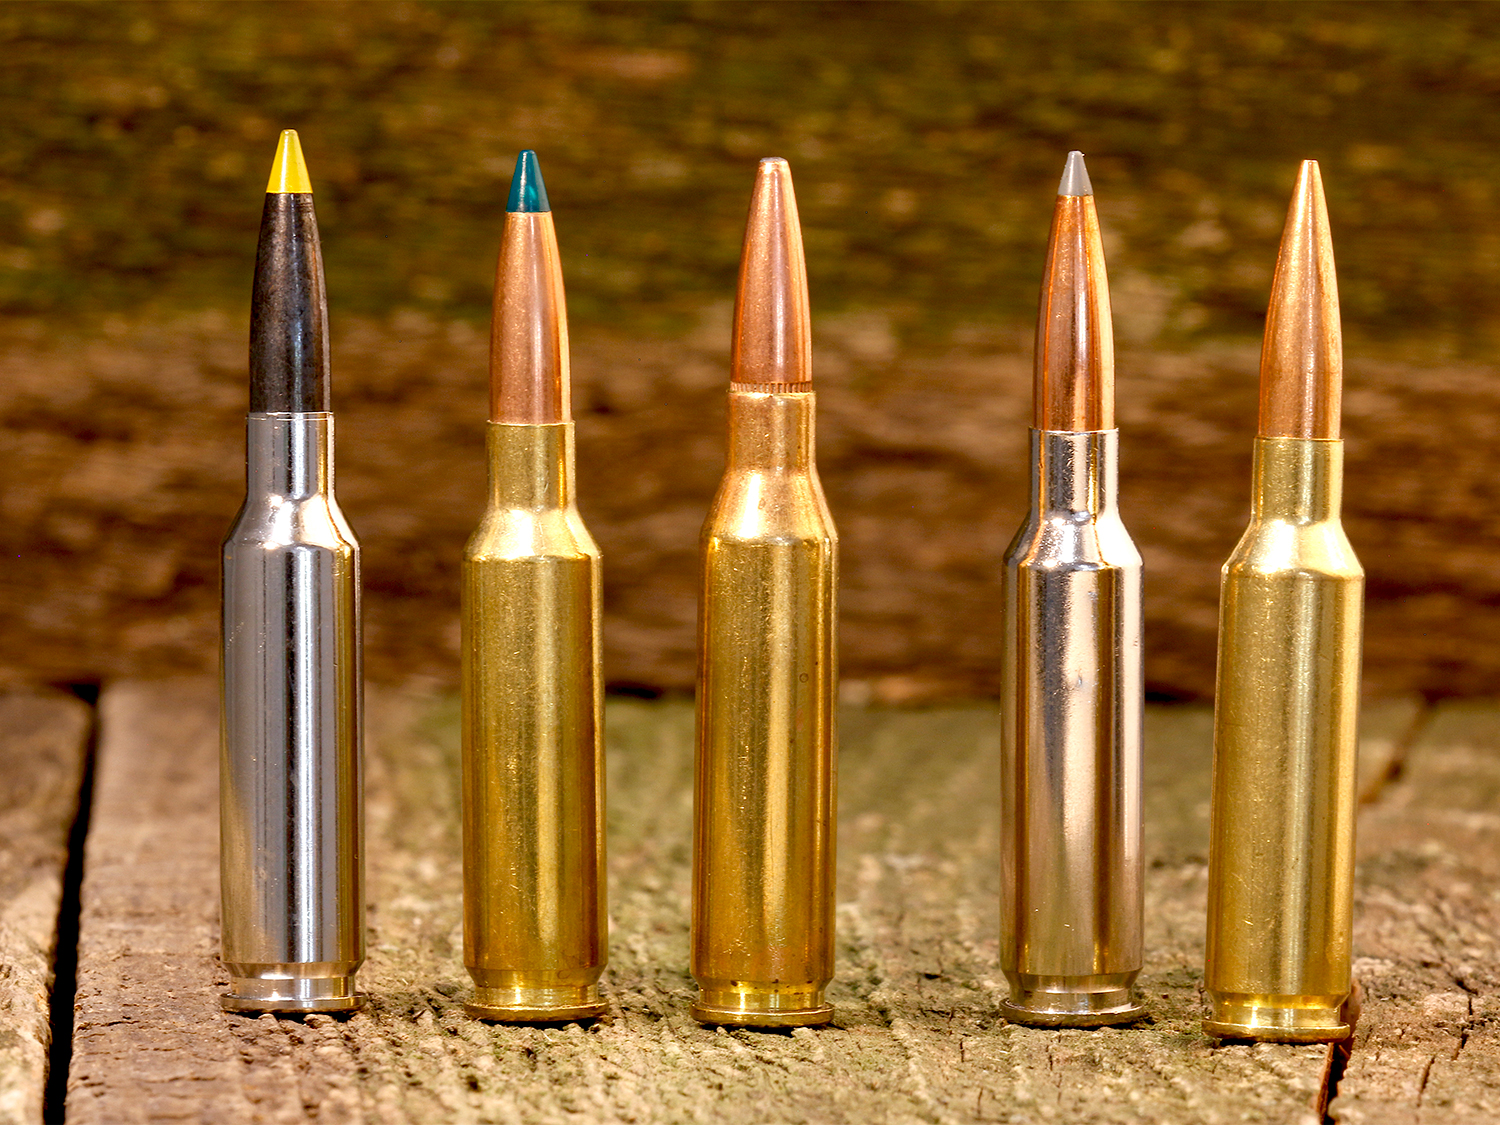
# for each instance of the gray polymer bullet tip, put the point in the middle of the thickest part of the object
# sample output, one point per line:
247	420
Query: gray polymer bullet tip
1075	177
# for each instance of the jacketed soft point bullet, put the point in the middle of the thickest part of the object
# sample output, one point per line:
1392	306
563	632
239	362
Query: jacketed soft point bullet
1072	688
291	807
764	803
1281	849
535	936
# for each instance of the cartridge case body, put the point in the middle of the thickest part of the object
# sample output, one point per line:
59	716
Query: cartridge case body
1071	869
535	936
764	801
1281	853
291	811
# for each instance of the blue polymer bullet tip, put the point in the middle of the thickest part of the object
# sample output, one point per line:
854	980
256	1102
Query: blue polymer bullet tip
527	192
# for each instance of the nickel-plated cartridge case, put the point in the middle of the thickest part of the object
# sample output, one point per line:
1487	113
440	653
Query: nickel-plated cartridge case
291	877
1071	871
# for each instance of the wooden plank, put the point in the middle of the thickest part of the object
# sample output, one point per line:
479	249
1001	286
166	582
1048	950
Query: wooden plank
917	1036
149	1044
1427	932
43	744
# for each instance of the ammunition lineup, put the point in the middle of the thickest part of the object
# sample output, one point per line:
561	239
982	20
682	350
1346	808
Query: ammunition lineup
1278	957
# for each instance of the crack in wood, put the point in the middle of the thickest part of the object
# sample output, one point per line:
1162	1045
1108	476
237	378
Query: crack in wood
1333	1073
65	954
1468	1021
1426	1075
1376	787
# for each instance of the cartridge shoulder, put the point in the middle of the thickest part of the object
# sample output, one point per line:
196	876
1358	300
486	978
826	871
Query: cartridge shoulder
517	534
304	523
1071	541
1318	550
770	508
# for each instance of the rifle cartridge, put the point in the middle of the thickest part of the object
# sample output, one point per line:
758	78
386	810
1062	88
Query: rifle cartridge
1071	868
535	937
1281	853
290	800
764	795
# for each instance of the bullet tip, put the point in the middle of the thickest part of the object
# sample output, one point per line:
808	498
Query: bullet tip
772	331
289	172
527	191
1309	179
1075	177
1302	356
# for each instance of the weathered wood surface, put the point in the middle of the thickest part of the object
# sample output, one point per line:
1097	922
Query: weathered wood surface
917	1037
148	1042
1427	933
43	742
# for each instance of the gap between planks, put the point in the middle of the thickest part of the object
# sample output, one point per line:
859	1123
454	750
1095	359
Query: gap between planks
916	1038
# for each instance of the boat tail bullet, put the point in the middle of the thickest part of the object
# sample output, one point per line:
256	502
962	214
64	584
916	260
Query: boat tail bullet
763	840
1072	689
1281	852
535	922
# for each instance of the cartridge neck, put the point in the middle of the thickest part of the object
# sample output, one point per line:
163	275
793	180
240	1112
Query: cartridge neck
772	432
1298	480
1074	471
289	455
531	466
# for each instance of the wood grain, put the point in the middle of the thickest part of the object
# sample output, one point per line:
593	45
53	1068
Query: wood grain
1427	934
115	503
149	1044
43	741
916	1038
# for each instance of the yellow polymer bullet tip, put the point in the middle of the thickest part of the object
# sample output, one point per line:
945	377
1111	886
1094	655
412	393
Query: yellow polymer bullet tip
289	172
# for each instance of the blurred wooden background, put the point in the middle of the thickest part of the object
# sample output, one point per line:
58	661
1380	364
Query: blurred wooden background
925	140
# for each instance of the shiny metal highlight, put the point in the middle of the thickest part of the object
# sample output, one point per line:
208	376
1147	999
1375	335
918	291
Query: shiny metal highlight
1074	362
291	813
765	779
1302	354
529	326
535	925
1071	867
1281	854
772	340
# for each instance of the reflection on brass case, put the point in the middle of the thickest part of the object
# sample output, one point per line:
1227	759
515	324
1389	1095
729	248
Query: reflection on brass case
763	849
291	869
533	781
1070	938
1281	862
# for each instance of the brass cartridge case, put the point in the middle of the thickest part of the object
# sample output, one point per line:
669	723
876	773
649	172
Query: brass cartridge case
764	800
535	936
1070	852
1281	855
